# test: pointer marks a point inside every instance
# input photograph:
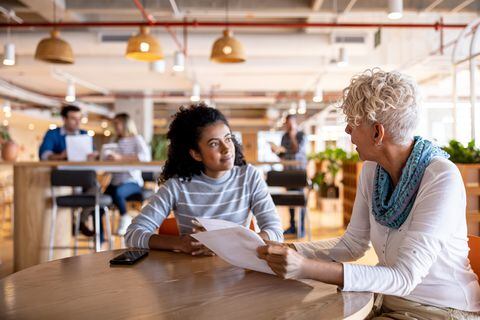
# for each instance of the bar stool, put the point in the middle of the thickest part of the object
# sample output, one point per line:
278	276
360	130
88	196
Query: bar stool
87	180
146	192
297	198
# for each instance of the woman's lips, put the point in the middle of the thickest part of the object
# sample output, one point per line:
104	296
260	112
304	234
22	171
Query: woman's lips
227	158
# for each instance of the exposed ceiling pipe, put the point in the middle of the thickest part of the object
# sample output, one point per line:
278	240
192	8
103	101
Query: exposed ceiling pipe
206	24
10	14
65	76
175	10
12	91
151	22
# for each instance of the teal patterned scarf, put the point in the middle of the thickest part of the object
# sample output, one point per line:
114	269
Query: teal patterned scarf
391	206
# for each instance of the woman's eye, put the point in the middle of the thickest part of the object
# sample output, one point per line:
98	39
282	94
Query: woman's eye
214	144
228	139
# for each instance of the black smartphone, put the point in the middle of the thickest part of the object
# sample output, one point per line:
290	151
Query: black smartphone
129	257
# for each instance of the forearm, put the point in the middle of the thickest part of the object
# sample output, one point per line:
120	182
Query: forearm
164	242
57	156
129	157
324	271
264	235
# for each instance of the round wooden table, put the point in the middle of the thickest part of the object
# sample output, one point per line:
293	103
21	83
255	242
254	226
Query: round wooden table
168	285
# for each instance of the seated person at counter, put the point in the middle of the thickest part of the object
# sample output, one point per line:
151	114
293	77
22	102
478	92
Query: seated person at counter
410	205
54	146
205	175
130	147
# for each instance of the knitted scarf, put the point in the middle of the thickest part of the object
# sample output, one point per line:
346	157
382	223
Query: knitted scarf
391	206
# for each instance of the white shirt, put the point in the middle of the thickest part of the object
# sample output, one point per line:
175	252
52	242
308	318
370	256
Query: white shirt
426	259
134	145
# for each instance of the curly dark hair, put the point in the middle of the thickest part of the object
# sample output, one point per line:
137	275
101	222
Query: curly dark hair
184	133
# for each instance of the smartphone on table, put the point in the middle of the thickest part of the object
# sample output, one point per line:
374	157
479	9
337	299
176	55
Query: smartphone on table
129	257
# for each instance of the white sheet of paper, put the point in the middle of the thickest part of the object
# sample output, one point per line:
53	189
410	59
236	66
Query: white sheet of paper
79	147
215	224
237	245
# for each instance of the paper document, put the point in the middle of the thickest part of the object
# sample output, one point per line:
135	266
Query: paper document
237	246
216	224
79	147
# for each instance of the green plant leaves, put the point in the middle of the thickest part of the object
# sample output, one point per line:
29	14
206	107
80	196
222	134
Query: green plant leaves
461	154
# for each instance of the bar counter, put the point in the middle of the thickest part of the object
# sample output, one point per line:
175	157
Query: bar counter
32	205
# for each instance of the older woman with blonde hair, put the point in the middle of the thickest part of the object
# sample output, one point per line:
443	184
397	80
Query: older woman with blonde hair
410	205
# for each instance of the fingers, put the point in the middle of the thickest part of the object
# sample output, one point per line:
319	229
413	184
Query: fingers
198	229
273	258
195	244
270	242
264	251
276	249
202	251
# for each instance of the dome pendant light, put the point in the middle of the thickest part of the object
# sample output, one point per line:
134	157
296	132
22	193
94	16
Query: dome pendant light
54	49
227	49
144	47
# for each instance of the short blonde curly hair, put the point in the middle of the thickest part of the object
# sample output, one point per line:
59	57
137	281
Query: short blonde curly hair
389	98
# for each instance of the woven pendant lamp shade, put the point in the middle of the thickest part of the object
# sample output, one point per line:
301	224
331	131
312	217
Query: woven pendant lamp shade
227	49
144	47
54	49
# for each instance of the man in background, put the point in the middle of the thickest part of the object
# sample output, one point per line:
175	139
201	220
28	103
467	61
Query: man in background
293	147
54	146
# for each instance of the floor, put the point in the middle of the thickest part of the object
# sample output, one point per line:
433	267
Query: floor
325	224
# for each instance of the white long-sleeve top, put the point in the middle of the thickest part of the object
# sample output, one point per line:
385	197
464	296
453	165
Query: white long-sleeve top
426	259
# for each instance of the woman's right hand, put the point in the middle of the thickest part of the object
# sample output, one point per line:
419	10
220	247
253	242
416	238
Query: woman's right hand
191	246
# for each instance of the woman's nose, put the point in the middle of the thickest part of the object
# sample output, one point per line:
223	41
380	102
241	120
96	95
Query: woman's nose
225	147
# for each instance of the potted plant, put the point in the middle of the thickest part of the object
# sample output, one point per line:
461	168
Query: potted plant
467	160
159	147
9	147
460	154
334	158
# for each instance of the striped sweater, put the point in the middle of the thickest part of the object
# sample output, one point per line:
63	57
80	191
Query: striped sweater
231	197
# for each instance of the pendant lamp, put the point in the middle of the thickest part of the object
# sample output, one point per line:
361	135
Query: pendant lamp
54	49
227	49
144	47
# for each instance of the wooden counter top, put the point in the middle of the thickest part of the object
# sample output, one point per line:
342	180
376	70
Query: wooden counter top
115	163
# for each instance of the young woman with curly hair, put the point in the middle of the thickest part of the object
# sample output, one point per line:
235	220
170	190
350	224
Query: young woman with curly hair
205	175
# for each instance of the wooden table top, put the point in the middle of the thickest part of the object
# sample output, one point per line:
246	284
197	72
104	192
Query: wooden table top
167	285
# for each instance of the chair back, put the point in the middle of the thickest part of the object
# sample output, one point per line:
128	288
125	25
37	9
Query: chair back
74	178
474	254
150	176
291	179
169	227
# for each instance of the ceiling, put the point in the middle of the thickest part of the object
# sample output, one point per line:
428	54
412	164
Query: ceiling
284	62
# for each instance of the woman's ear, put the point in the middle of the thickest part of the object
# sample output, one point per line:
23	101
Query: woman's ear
378	133
195	155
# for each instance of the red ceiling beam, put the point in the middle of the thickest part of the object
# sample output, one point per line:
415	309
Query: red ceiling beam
199	24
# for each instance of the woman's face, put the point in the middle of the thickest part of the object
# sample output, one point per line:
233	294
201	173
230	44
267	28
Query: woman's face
119	127
215	149
363	137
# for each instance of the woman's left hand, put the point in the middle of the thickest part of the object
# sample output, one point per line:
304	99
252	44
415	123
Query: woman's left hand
284	261
114	157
